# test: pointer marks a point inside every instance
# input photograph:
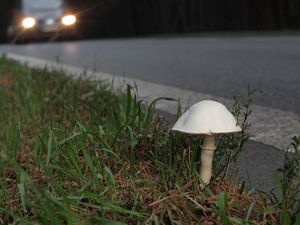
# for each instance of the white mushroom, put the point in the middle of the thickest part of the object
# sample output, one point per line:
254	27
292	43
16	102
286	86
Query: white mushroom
207	118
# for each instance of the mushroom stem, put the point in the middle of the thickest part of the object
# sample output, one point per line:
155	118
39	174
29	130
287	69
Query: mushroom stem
207	154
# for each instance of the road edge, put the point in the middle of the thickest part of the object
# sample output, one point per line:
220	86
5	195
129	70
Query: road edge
268	126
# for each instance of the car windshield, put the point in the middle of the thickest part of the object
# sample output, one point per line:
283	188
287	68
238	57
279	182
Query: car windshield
32	5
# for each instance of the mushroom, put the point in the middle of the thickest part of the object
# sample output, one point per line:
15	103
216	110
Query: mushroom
207	118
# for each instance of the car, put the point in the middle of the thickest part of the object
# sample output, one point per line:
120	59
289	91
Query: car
36	19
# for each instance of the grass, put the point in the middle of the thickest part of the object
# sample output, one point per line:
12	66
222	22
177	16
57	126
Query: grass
74	152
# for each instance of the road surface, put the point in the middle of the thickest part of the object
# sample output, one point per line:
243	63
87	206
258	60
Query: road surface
218	66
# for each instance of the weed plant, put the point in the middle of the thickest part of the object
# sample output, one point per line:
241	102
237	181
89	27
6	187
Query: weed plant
74	152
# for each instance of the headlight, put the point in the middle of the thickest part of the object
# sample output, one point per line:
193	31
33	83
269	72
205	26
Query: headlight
28	22
68	20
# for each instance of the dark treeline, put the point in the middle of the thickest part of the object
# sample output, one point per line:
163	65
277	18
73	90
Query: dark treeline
140	17
106	18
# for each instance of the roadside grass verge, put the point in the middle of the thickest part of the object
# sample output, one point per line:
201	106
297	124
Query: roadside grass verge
74	152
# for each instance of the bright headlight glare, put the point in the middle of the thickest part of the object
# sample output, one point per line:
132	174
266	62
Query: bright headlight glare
68	20
28	22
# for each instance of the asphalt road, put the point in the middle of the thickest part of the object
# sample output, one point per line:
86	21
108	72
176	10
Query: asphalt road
218	66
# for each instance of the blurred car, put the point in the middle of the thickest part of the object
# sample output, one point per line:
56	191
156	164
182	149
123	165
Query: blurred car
33	19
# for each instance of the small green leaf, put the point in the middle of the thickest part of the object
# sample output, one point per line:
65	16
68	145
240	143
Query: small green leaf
109	175
286	219
222	208
21	188
49	148
249	211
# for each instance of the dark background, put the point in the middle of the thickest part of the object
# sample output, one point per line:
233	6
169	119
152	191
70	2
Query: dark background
119	18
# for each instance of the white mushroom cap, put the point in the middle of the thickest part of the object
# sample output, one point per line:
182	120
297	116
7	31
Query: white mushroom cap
207	117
